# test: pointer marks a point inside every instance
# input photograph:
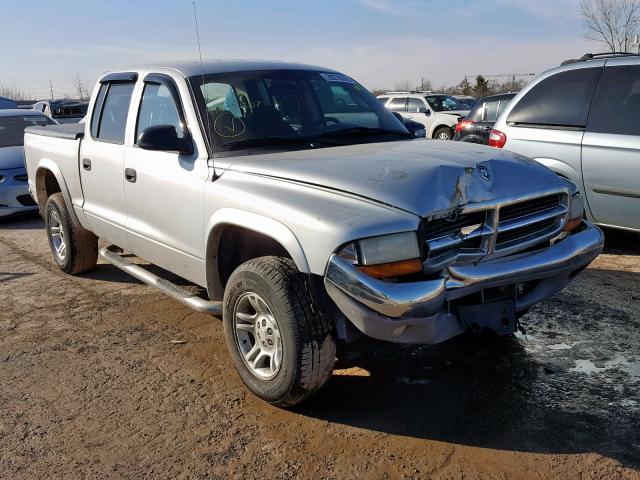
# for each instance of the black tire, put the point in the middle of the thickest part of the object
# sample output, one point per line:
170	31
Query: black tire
81	245
306	335
442	131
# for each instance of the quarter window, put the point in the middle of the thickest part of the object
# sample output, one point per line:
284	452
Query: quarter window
616	104
113	112
158	107
561	100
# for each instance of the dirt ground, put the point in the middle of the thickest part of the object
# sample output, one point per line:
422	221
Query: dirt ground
91	386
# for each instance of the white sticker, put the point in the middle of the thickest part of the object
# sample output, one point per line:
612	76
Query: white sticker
336	77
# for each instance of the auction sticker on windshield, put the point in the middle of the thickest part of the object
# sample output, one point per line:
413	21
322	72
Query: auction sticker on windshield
336	77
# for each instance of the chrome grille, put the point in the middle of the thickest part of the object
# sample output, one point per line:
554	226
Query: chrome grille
495	229
530	221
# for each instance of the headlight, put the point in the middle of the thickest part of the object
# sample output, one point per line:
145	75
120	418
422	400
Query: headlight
420	133
385	256
576	212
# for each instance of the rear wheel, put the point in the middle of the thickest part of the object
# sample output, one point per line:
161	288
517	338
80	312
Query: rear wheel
281	344
443	133
74	249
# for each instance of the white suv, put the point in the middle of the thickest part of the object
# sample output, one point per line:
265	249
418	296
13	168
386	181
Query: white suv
437	112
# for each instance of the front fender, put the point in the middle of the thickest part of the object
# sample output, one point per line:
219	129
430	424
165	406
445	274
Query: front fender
260	224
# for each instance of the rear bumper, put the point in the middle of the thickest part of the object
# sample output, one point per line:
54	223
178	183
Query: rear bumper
419	312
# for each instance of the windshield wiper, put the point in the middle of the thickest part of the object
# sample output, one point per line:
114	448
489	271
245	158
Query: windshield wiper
278	141
364	131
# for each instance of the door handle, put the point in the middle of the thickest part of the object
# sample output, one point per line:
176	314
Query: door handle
86	164
130	175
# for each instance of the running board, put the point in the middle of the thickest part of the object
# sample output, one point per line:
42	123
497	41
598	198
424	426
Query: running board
165	286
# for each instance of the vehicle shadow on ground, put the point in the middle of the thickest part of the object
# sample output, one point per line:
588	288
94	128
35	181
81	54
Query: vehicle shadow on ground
486	393
619	242
31	221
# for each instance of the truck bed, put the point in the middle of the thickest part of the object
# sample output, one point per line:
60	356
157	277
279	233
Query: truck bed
68	131
59	144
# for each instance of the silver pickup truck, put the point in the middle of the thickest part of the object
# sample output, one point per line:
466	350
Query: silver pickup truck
305	211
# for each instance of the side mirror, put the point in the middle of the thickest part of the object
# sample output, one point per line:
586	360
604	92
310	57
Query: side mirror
165	138
426	111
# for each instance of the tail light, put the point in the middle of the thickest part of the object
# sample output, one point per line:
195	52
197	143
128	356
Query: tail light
463	124
497	139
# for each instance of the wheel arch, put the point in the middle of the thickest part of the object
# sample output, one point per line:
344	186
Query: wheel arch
436	126
565	170
49	180
258	235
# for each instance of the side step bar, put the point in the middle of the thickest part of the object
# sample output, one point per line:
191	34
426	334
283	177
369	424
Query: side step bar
165	286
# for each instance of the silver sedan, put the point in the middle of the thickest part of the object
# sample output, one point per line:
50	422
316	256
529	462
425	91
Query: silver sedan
14	189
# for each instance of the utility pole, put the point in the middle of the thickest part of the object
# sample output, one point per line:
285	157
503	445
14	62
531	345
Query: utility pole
51	88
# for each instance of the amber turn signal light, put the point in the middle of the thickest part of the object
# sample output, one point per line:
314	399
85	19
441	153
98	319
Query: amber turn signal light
573	224
393	269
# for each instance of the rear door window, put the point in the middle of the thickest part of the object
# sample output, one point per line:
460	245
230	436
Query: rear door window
415	105
398	105
561	100
112	121
491	111
616	104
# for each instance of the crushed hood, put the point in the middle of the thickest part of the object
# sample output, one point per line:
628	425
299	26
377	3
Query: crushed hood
11	157
424	177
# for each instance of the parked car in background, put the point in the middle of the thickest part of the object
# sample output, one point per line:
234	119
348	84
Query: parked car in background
438	113
7	103
416	129
63	111
476	127
582	120
306	211
14	188
466	100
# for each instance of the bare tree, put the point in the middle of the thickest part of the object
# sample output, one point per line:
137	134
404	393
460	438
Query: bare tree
425	85
613	22
402	86
80	86
13	91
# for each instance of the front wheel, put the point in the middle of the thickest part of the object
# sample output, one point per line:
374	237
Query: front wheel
281	344
443	133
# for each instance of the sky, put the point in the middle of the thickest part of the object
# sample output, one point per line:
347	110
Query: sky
377	42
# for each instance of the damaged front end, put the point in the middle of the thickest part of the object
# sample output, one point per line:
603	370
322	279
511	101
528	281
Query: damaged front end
482	264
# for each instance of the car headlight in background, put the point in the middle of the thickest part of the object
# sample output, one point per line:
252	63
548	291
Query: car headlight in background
385	256
576	212
420	133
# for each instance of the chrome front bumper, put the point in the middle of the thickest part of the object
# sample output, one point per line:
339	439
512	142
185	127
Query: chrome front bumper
418	312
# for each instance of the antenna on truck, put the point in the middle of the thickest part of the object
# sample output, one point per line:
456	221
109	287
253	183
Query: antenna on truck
195	17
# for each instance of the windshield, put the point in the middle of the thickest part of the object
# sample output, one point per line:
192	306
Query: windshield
444	103
291	109
12	128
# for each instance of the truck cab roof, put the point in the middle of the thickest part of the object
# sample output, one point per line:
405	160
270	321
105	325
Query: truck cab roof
208	67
